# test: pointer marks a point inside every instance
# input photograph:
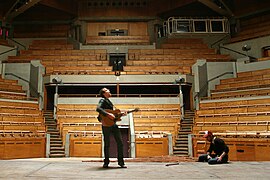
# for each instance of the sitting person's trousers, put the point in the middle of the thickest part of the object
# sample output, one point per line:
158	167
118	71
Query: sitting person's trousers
213	159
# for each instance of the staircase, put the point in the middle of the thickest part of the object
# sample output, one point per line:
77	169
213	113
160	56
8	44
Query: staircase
181	143
56	143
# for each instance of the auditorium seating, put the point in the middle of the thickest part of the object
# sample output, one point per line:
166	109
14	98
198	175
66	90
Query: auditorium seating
246	146
22	144
238	110
155	121
10	89
246	84
3	42
123	40
22	129
251	31
58	59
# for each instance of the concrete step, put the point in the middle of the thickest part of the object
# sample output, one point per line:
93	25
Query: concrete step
53	145
56	155
57	148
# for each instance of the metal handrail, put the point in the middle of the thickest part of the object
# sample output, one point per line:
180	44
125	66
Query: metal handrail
30	85
17	43
221	39
120	95
251	57
8	51
206	85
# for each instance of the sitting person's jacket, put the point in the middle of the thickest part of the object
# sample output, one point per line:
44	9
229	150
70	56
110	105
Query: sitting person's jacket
218	146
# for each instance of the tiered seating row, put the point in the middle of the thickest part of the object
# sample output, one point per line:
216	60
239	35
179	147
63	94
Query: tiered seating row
253	31
162	54
241	148
240	93
22	130
249	83
22	144
81	119
99	40
10	85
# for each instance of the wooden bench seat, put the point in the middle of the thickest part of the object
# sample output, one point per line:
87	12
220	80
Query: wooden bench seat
256	113
13	95
240	93
79	70
232	126
158	69
241	148
185	62
243	85
245	79
74	63
22	119
184	41
22	126
183	46
51	46
12	88
136	53
264	58
253	117
78	52
253	73
144	40
19	105
264	102
208	57
55	58
22	146
50	41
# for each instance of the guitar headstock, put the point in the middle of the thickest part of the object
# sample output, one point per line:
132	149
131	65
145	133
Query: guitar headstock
136	109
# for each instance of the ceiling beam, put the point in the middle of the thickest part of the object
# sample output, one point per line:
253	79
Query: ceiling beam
10	9
21	9
69	7
226	7
160	7
216	8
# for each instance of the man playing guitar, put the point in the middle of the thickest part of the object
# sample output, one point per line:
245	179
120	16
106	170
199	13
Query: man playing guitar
108	119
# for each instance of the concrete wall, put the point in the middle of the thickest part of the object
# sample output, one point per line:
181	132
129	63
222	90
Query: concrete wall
138	100
21	70
215	69
113	79
255	44
4	57
242	66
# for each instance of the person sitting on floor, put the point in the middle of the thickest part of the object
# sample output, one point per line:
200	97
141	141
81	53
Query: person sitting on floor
217	146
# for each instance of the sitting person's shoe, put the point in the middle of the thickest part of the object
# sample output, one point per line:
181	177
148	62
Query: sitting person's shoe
122	166
105	165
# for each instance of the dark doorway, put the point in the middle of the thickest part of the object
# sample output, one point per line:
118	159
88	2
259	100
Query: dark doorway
113	145
186	90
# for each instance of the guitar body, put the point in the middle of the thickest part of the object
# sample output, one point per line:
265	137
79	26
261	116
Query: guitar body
117	113
109	122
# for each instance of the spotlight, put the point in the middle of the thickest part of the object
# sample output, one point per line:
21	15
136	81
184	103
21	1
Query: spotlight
246	47
180	80
57	80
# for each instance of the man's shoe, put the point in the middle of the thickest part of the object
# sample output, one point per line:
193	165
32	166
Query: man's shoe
105	165
122	166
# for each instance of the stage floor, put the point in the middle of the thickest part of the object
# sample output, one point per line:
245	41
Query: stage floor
90	168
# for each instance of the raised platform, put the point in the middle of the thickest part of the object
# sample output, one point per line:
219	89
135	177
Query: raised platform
82	168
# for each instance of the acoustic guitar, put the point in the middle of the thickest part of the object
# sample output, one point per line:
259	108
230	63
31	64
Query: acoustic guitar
117	113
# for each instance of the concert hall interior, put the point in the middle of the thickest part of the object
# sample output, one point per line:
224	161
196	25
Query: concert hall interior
187	66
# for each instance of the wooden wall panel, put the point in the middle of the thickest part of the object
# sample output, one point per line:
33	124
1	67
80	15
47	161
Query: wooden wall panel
134	28
138	29
85	147
147	147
